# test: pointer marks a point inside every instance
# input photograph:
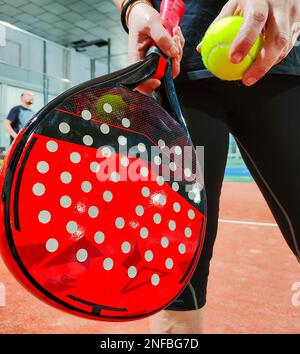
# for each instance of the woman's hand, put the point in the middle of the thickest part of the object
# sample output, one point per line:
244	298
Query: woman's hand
281	21
145	26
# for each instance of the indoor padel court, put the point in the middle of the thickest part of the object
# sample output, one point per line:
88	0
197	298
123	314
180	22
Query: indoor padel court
54	54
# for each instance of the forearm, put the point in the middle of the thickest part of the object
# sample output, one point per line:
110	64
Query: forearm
9	129
119	4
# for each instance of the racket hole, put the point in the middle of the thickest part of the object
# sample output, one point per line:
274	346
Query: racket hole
122	140
172	225
66	177
86	115
187	172
169	263
126	247
182	248
124	161
144	233
139	210
176	207
42	167
157	160
164	242
145	192
126	122
86	186
64	128
52	245
188	232
104	128
82	255
141	147
108	264
120	223
44	217
72	227
93	212
99	237
160	180
157	218
75	157
108	196
65	201
161	143
177	150
148	256
52	146
191	214
144	171
88	140
107	107
162	200
95	167
38	189
175	186
132	272
155	279
115	177
172	166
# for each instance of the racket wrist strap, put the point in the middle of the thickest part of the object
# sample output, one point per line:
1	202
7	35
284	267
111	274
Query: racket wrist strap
126	8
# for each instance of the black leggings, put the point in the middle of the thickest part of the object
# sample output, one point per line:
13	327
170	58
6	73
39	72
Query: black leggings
265	120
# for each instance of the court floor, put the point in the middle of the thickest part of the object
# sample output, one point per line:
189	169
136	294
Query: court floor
252	289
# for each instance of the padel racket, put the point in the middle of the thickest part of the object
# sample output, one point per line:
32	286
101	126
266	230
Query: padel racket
100	215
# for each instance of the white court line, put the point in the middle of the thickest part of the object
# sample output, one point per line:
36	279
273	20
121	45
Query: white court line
252	223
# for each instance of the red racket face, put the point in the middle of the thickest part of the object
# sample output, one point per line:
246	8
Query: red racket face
95	223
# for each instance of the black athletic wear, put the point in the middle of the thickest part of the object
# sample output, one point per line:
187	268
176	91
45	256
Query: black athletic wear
198	16
265	120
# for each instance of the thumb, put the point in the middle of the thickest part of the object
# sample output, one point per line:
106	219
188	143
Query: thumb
163	40
228	9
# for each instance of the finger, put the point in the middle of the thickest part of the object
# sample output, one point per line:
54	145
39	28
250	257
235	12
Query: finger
284	55
175	67
163	40
277	43
295	33
198	48
177	31
282	28
136	50
228	10
270	54
180	49
287	34
255	18
148	86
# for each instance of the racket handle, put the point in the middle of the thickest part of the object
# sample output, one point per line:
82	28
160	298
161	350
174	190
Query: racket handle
171	12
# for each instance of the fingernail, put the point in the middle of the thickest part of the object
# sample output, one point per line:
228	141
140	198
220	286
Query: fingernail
199	47
250	81
237	58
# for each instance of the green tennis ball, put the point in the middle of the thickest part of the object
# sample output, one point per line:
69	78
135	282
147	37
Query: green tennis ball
216	45
110	104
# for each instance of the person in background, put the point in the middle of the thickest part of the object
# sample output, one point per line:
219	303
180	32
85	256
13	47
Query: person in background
19	115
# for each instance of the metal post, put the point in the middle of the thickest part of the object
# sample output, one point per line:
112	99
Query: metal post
45	77
93	68
108	54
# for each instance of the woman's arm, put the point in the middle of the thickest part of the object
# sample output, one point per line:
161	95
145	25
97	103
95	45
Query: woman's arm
281	21
145	26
